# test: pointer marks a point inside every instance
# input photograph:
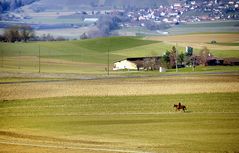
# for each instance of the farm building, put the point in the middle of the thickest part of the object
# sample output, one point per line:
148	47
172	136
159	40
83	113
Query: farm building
137	63
212	61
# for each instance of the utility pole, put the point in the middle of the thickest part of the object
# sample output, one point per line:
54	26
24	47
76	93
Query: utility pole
19	60
2	57
193	64
39	56
108	69
176	59
108	62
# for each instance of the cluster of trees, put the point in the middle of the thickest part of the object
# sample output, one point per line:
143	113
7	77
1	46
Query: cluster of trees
48	37
171	58
105	25
17	33
156	26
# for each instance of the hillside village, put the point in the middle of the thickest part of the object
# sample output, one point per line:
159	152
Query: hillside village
153	18
188	12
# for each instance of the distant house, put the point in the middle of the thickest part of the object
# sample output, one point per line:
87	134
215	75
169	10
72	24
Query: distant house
91	20
138	63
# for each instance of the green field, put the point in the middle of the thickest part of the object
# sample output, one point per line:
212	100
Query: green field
126	112
91	56
202	27
74	56
187	28
122	124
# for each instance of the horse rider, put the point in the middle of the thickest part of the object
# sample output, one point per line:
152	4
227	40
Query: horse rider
179	105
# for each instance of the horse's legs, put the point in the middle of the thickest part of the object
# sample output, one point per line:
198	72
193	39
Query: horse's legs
184	109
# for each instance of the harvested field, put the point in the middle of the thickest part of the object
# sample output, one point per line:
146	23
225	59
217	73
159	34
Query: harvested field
198	38
199	41
121	87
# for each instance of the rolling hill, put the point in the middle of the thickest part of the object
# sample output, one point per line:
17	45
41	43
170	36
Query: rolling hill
92	55
77	4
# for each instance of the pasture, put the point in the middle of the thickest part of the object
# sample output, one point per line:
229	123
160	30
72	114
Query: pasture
121	115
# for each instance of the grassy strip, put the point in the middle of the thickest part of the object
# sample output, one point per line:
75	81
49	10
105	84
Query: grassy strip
228	44
123	104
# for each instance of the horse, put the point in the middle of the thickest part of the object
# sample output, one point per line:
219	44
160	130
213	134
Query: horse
178	107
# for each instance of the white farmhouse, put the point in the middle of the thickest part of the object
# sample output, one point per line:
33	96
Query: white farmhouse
138	63
125	64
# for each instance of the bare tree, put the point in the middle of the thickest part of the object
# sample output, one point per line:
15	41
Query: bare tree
151	63
26	32
139	64
18	33
12	34
173	57
204	54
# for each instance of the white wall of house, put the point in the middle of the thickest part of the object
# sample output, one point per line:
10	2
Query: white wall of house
121	65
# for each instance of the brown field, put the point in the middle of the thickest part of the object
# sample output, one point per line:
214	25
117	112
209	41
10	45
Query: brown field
198	38
121	87
201	45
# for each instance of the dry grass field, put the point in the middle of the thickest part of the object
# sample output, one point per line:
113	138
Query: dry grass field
201	40
121	87
198	38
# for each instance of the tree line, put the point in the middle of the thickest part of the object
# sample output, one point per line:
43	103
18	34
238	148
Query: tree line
172	58
17	33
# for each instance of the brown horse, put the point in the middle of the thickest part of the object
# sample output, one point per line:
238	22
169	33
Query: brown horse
178	107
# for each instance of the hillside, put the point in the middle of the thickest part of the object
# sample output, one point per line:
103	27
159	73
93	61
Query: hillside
80	56
91	55
76	4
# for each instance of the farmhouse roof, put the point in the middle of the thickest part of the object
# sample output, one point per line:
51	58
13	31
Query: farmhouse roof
138	58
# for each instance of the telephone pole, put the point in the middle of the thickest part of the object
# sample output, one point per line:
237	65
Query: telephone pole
176	58
108	69
2	57
19	60
108	62
39	56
